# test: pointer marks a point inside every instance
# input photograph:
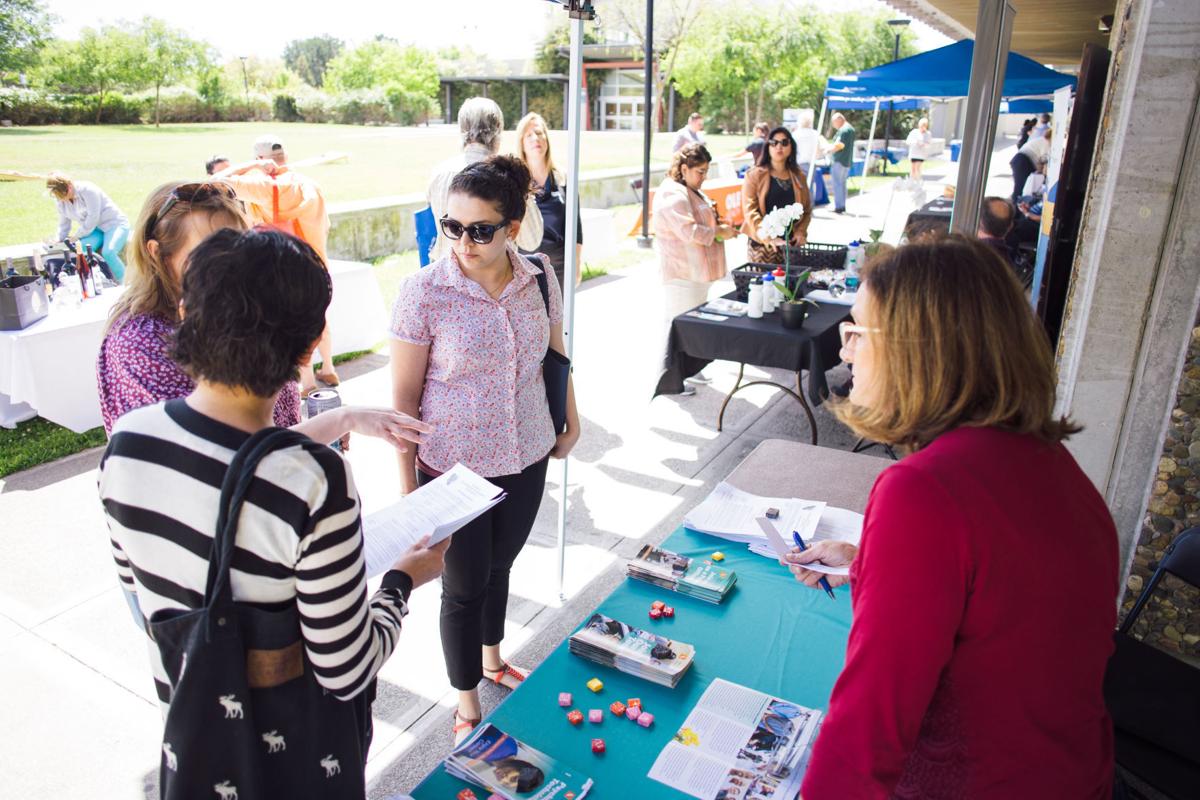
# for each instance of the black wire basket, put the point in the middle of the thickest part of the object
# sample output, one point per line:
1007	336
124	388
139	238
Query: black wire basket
806	257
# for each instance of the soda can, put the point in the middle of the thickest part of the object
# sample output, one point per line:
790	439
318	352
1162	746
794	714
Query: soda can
323	400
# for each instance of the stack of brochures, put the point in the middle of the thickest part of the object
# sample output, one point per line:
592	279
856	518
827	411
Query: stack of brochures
699	578
737	744
512	769
731	513
612	643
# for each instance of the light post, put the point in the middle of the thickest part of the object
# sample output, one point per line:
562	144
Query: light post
245	80
644	240
898	26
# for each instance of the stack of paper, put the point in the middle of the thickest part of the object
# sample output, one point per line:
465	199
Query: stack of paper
836	523
512	769
607	641
697	578
738	744
731	513
437	509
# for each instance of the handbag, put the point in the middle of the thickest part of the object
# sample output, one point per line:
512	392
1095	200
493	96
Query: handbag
556	368
247	719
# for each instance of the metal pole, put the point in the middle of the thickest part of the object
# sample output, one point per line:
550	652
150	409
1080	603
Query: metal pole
644	240
812	160
993	34
574	134
524	99
862	183
245	81
887	126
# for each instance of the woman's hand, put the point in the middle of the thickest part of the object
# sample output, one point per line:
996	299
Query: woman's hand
564	443
830	553
727	231
776	242
392	426
423	563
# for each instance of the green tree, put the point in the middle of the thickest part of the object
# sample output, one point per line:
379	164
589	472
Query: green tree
407	75
170	56
309	58
100	62
24	30
674	21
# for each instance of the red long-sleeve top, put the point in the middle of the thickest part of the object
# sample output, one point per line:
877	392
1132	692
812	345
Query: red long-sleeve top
984	600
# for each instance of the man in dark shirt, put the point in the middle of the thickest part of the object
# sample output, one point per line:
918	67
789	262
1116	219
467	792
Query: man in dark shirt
841	157
996	217
756	145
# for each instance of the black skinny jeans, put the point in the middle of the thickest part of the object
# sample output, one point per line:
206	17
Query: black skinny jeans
1022	167
475	577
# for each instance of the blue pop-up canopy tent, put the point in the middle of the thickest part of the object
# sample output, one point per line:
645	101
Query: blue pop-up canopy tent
941	74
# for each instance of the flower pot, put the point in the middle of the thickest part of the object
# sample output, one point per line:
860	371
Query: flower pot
791	315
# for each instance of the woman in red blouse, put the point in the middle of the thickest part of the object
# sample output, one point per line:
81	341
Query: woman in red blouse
469	333
985	586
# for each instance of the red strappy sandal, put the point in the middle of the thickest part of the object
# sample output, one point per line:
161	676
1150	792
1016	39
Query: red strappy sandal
462	727
496	676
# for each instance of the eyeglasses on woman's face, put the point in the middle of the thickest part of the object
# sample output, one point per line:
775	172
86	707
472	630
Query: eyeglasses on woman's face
850	334
780	142
479	232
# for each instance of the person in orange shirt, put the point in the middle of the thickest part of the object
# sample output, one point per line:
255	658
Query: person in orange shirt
282	198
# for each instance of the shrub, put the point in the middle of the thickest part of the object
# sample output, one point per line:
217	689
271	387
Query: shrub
315	106
285	108
362	107
411	108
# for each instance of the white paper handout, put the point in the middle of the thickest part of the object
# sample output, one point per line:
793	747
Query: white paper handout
836	523
730	513
439	508
738	744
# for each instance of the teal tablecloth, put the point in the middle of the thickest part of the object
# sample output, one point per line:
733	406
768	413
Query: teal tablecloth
771	634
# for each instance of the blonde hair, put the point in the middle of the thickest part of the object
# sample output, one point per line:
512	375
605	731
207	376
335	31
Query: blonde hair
151	288
957	346
59	185
527	122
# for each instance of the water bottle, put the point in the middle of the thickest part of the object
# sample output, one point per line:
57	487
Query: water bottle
852	265
769	293
780	284
754	308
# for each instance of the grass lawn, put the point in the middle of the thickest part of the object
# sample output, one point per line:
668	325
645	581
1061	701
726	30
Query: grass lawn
39	441
128	161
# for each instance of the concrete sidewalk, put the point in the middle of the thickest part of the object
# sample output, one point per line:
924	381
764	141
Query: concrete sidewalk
82	718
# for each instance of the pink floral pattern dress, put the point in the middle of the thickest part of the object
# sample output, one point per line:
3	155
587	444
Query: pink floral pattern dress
135	369
484	390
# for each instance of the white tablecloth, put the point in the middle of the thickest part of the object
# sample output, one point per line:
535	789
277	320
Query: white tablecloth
51	365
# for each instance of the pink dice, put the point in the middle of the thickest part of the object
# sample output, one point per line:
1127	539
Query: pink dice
668	611
645	720
633	712
595	716
564	699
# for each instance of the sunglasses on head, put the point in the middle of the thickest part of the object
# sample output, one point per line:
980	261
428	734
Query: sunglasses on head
780	142
189	193
480	232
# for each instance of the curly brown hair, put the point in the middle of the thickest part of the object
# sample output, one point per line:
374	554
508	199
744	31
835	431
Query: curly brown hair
691	156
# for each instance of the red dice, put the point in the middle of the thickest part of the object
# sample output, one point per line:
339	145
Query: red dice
597	746
575	717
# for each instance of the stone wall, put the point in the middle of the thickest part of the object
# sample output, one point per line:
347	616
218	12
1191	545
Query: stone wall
1171	621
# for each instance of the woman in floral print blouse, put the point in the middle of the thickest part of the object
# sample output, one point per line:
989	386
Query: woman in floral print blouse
468	336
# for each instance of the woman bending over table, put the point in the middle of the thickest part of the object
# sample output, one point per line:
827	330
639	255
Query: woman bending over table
135	368
100	223
985	586
469	333
774	182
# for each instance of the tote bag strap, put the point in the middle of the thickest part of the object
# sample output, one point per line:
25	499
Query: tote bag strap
238	479
543	287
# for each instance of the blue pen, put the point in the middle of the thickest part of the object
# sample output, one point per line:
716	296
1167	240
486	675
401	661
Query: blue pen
824	582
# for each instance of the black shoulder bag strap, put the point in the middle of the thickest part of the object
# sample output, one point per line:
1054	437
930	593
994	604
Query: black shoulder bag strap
556	367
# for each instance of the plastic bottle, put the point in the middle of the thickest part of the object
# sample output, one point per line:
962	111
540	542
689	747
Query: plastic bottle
780	284
769	293
754	308
853	253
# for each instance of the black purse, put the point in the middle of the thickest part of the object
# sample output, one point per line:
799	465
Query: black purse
247	718
556	368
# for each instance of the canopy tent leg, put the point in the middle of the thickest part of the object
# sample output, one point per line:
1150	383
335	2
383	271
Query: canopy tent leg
579	12
862	181
812	158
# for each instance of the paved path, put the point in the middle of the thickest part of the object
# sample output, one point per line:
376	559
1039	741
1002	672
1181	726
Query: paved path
82	721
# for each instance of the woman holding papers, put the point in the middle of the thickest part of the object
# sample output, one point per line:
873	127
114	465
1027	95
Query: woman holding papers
985	586
253	309
468	337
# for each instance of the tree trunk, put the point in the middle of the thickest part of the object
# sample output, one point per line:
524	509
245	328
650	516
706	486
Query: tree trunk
157	92
746	109
758	112
100	105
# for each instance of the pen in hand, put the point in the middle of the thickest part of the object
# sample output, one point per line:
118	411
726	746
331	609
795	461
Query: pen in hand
824	581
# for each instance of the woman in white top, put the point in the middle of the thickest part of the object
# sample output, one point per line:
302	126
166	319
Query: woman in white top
101	224
920	142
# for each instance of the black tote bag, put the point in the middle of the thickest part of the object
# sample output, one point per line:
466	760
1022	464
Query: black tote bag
247	719
556	368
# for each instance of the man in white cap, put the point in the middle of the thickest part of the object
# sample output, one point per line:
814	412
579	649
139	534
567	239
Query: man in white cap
281	198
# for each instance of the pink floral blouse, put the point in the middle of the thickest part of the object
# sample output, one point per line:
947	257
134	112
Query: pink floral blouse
134	369
484	390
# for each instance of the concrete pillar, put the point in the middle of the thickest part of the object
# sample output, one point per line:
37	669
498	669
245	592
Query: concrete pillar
566	102
1135	286
524	98
449	102
671	107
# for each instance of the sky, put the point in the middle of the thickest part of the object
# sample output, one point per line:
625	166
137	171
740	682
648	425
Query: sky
501	29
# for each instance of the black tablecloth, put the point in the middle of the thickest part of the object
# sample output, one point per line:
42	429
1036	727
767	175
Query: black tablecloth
934	215
694	342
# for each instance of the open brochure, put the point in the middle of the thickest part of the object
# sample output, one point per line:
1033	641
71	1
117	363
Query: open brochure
512	769
439	508
612	643
836	523
695	577
738	744
730	513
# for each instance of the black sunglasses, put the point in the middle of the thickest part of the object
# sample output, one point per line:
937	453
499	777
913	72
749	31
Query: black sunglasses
780	142
190	193
480	232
